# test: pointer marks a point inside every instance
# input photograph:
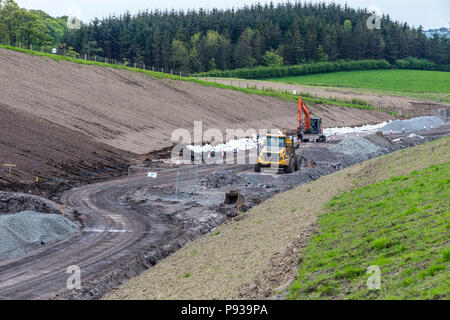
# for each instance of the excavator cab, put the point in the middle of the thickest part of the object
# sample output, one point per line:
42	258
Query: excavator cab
316	126
312	128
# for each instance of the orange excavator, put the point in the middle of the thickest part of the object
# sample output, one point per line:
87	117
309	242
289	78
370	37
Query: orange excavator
312	129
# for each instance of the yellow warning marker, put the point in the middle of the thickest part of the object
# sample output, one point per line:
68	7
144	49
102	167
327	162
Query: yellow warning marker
37	179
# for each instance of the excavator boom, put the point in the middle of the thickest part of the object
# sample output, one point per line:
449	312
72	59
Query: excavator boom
315	129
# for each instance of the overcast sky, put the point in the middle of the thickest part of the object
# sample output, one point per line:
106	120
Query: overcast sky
428	13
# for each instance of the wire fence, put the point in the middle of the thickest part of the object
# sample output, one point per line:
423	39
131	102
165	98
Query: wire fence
63	51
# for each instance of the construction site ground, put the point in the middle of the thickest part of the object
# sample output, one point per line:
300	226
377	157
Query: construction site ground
71	131
130	227
72	122
256	256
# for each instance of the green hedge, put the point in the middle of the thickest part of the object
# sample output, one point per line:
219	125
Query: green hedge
420	64
298	70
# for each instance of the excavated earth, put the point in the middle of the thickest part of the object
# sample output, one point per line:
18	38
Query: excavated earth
195	214
63	123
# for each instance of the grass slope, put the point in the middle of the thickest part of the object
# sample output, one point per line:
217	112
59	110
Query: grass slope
413	83
270	93
255	256
400	225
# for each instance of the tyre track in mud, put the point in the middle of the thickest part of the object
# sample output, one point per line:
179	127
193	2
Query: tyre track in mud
42	274
107	259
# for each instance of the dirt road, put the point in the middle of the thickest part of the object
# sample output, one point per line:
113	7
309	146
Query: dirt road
116	235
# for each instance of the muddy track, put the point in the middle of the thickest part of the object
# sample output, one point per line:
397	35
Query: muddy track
42	274
131	241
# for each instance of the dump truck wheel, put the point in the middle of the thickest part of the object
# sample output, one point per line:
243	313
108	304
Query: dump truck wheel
257	168
297	164
290	168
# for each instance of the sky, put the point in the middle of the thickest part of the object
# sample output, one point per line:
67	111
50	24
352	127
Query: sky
428	13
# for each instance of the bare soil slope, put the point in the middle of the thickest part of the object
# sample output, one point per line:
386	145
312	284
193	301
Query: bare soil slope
40	148
137	113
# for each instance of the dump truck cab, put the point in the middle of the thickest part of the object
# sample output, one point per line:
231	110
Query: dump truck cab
277	151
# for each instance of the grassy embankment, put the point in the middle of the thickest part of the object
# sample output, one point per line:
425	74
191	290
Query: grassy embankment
255	256
355	103
400	225
430	85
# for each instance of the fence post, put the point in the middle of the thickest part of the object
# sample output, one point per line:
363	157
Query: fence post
180	73
162	70
64	51
171	71
95	58
135	65
85	57
153	68
20	45
9	42
196	179
42	49
143	67
176	188
31	46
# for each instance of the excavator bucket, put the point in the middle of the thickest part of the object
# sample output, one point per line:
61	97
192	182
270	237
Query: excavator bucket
234	198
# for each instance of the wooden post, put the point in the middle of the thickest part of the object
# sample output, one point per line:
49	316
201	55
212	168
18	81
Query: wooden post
95	58
10	166
153	68
64	51
9	42
42	49
143	67
85	57
20	45
180	73
171	71
135	65
31	46
162	70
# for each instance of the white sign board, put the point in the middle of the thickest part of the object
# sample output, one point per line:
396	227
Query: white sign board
294	92
153	175
53	50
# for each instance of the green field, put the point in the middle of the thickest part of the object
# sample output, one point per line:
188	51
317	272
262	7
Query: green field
433	85
400	225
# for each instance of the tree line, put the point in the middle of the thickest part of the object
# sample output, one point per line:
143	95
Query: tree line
259	35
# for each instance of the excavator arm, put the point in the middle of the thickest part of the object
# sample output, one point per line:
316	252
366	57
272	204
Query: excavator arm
303	108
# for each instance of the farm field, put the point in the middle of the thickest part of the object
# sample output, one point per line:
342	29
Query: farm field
434	85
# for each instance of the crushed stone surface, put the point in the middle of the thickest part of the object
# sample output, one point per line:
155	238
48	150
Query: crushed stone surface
25	231
358	147
414	124
223	178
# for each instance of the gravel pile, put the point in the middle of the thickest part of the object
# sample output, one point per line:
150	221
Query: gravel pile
411	125
29	230
357	147
11	202
222	178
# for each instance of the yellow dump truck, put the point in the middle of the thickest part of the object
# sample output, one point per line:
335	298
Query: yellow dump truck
278	151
